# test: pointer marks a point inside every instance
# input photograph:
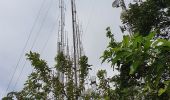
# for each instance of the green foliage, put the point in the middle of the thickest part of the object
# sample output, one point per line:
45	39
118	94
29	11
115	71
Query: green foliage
61	61
84	71
10	96
147	16
38	85
142	62
104	89
84	67
43	83
142	59
101	74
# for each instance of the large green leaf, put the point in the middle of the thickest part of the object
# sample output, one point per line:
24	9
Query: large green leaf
134	67
161	91
126	40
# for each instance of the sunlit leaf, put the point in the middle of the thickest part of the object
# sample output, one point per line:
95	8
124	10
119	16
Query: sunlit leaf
161	91
134	67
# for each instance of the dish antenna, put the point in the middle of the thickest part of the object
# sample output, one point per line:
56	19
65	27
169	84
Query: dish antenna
115	3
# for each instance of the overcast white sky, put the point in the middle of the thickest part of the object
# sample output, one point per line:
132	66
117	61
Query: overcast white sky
17	18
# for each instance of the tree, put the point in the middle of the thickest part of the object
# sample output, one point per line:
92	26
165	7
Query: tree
146	16
84	71
43	83
143	58
143	63
104	88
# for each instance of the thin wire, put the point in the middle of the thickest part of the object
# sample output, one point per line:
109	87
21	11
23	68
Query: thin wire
35	39
90	16
42	51
31	31
19	77
41	26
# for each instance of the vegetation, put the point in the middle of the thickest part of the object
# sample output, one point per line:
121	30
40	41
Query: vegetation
142	60
44	83
143	63
147	16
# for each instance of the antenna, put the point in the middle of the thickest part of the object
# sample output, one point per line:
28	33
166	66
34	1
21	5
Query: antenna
61	38
77	51
74	39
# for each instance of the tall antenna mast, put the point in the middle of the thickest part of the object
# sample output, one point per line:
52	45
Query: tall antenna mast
61	45
73	8
61	39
